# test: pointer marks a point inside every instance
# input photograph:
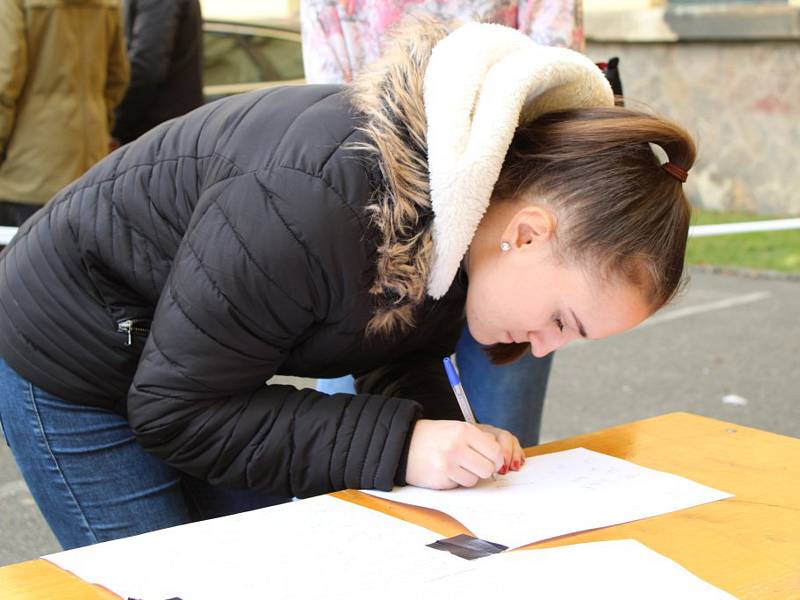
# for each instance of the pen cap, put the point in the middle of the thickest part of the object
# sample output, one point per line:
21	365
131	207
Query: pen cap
451	372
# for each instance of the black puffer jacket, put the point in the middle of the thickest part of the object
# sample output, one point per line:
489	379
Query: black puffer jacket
165	51
240	232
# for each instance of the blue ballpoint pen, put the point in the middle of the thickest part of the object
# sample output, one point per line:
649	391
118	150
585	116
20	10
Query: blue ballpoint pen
458	390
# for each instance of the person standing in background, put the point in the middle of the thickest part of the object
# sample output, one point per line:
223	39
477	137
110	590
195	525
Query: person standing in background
62	72
165	50
342	37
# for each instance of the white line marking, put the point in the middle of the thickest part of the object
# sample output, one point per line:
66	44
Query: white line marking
6	233
689	311
734	400
749	227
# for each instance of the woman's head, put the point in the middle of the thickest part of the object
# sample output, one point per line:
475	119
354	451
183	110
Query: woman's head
593	231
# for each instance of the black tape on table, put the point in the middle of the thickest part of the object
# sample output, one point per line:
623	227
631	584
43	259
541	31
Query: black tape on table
468	547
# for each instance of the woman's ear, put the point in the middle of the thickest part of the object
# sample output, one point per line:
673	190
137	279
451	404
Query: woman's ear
530	226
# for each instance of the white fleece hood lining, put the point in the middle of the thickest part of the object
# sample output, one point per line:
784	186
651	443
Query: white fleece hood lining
482	81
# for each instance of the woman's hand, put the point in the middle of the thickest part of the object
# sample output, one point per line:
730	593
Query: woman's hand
447	454
513	456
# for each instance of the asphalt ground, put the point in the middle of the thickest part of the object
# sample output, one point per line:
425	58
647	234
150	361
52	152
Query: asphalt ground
729	348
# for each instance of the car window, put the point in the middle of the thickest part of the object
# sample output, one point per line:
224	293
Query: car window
239	54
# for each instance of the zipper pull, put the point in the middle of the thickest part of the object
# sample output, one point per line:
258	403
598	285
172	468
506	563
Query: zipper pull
126	327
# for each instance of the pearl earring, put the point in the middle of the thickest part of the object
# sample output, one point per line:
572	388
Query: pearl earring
505	246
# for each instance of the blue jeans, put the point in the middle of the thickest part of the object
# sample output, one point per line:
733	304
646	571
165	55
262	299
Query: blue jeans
91	479
510	397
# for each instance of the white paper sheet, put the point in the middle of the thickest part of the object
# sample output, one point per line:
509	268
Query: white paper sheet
329	548
559	493
614	570
317	548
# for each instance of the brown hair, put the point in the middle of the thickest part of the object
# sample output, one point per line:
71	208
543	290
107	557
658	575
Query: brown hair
618	212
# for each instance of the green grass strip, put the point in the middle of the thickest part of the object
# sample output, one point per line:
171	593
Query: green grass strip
764	251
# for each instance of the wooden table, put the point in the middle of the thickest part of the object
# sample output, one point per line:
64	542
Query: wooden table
748	545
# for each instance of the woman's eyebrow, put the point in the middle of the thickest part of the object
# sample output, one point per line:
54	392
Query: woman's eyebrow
581	330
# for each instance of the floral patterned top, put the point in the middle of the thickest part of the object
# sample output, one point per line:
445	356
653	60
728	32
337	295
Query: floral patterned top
340	36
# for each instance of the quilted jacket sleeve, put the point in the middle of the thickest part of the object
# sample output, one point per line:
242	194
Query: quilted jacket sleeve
199	399
420	376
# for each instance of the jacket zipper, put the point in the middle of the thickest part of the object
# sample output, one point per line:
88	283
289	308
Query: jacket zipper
132	327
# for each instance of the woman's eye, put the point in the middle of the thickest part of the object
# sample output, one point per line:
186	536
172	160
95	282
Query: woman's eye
559	324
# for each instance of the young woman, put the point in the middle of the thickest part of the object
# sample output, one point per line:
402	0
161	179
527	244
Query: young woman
339	40
318	231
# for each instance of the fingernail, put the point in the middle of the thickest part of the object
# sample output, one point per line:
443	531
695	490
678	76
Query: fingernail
515	465
503	470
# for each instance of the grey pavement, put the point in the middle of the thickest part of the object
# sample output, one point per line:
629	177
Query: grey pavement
729	348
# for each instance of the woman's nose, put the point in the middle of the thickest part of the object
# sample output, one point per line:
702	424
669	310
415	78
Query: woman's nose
543	345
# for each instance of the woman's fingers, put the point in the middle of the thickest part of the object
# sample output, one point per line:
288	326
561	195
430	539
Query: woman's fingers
488	446
517	455
513	456
440	450
448	453
509	444
445	453
477	463
464	478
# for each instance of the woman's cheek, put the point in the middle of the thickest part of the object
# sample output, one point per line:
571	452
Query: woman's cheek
477	318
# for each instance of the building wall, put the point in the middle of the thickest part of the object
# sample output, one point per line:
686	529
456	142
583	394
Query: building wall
741	102
730	75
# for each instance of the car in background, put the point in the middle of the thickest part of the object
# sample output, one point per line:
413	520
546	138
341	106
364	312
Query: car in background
240	57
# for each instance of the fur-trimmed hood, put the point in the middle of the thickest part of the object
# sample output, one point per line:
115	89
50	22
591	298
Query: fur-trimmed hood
441	108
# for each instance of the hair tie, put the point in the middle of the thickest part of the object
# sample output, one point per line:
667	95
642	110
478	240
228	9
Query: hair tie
676	171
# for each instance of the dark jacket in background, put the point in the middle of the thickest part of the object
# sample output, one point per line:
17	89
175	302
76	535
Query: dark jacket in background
165	51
